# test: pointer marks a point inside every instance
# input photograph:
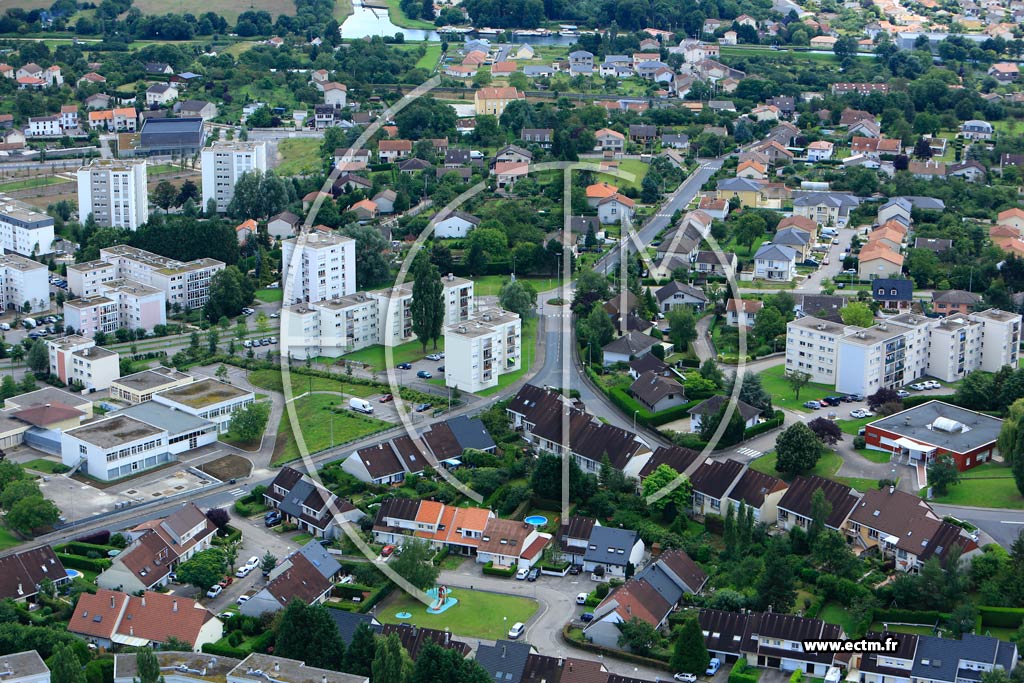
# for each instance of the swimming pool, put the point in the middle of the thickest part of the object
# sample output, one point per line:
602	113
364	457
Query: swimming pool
536	520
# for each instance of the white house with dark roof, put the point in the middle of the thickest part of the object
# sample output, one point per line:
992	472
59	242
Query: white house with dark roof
676	294
630	345
775	262
613	550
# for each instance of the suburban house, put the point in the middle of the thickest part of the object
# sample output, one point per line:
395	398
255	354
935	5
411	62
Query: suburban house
610	551
657	392
676	294
742	312
893	293
459	529
387	462
609	140
614	209
625	348
795	505
108	618
878	261
307	575
955	301
713	405
825	208
22	573
574	538
775	262
511	543
308	505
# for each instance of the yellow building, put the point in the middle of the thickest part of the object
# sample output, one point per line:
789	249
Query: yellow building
494	100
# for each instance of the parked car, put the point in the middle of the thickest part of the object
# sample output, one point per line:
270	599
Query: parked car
517	630
433	356
931	384
581	598
713	666
575	569
903	393
226	581
918	386
423	374
243	571
534	574
832	400
272	517
835	241
587	617
252	562
522	574
813	405
685	678
214	591
387	398
423	407
810	263
860	413
440	368
242	599
404	366
855	397
387	551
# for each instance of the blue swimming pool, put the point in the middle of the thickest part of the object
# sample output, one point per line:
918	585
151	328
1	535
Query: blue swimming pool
536	520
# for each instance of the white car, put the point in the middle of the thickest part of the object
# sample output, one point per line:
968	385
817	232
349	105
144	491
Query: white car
581	599
214	591
931	384
516	630
860	413
242	599
243	571
918	386
522	574
685	678
252	562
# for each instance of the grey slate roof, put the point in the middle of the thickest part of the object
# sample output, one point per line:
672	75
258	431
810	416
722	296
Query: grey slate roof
320	558
712	405
939	658
630	343
836	199
165	417
504	661
775	252
347	623
882	289
675	287
603	537
926	203
791	236
740	185
471	433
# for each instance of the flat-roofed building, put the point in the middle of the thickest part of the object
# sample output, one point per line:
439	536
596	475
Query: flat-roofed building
260	668
114	191
115	447
482	349
224	163
21	280
207	398
23	230
75	359
184	284
140	386
25	667
318	266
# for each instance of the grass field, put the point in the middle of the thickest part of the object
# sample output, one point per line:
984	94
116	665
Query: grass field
834	614
984	493
861	484
270	295
990	470
828	464
903	628
229	9
634	166
28	183
430	57
7	539
271	379
342	9
405	353
46	466
490	285
478	614
299	156
528	349
398	17
774	382
319	423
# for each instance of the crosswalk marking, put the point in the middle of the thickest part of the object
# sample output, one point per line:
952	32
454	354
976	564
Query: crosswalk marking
237	493
749	451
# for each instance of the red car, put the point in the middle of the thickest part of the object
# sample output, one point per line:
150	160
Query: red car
387	550
387	398
227	581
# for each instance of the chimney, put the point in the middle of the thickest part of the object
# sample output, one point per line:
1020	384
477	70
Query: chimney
570	666
131	631
174	606
504	651
277	667
892	490
143	600
112	600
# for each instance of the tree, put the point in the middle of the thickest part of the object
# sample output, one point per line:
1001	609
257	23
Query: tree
476	259
882	397
65	666
827	431
518	297
435	664
268	563
258	195
165	195
857	314
248	423
147	666
373	267
662	476
682	327
390	662
361	650
710	371
591	287
798	449
943	473
689	654
189	190
427	307
414	565
17	491
308	633
594	331
776	587
230	291
821	508
833	555
219	517
637	636
749	227
203	569
797	380
38	358
752	393
31	513
962	619
768	325
734	430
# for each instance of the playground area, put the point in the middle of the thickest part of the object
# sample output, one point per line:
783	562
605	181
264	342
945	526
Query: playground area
463	612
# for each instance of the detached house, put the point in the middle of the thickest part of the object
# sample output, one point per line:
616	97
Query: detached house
795	506
511	543
389	151
742	312
613	550
676	294
825	208
307	575
775	262
308	505
657	392
108	619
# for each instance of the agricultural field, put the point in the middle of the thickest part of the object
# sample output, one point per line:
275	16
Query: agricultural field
229	9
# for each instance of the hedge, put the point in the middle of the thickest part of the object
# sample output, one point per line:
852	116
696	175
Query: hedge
83	549
1001	617
351	590
84	563
611	652
375	597
918	399
765	426
439	556
742	672
490	569
234	536
224	651
909	616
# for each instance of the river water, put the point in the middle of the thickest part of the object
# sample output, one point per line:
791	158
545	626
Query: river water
366	21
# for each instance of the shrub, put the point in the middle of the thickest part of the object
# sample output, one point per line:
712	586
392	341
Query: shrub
490	569
225	650
602	590
1001	617
84	563
859	442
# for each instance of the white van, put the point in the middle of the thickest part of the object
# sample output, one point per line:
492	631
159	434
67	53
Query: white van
5	327
360	405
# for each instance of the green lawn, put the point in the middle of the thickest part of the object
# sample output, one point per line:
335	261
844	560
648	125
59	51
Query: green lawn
774	382
271	379
478	614
875	456
490	285
859	483
634	166
405	353
46	466
828	464
902	628
985	493
852	426
990	470
270	295
834	614
528	341
321	415
398	17
430	57
299	156
342	9
28	183
7	539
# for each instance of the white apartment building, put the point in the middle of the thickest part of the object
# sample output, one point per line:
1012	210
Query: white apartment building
23	230
41	126
86	279
117	303
74	359
22	280
318	266
115	447
186	285
482	348
114	192
898	350
224	163
334	327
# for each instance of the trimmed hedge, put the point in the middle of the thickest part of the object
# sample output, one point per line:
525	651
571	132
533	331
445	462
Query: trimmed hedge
918	399
263	641
351	590
765	426
224	651
376	596
439	556
83	549
490	569
742	672
234	536
909	616
84	563
1001	617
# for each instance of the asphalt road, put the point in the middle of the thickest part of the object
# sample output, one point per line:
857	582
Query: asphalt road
1002	525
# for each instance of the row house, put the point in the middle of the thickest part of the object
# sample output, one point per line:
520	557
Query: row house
308	505
460	529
